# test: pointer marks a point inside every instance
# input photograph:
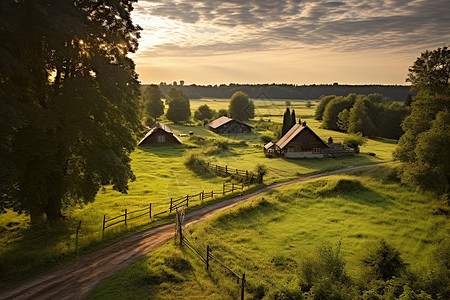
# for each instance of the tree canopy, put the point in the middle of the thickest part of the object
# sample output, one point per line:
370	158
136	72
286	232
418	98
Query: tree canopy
241	107
424	147
153	105
69	102
179	106
204	112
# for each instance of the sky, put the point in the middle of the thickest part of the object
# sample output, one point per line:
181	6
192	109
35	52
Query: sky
286	41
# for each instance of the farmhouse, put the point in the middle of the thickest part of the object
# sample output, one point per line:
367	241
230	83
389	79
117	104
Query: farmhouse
301	142
225	125
160	134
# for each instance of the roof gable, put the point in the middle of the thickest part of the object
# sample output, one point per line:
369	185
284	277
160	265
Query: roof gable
295	131
163	127
224	120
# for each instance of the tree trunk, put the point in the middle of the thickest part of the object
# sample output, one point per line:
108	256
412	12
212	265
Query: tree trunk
53	210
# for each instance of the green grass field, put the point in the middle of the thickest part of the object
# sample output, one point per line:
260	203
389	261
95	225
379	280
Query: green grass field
270	237
160	174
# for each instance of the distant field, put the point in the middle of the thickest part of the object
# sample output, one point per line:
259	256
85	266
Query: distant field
161	174
270	237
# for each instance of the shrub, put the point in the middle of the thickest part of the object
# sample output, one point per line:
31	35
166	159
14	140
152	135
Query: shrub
355	140
198	165
261	170
264	138
383	261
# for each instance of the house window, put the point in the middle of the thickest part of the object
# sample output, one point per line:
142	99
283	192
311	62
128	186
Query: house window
317	150
161	138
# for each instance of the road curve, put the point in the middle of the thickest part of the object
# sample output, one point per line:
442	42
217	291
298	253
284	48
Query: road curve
76	280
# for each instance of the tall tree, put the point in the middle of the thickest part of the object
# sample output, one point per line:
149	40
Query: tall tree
153	105
359	119
69	102
204	112
423	148
179	106
241	107
293	119
286	121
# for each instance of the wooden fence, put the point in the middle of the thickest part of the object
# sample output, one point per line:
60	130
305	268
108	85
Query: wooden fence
174	204
207	256
127	216
226	170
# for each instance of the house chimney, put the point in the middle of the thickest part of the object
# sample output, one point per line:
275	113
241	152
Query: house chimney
304	124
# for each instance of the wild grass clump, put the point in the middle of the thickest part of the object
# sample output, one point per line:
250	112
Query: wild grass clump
216	147
341	186
198	164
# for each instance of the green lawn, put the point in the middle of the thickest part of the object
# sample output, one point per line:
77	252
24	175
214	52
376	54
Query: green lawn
160	174
270	237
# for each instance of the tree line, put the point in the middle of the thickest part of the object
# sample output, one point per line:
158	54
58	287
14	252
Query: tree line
288	91
372	115
179	108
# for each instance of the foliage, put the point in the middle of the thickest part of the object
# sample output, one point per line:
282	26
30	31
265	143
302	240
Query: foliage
60	71
241	107
198	165
333	108
179	106
359	120
269	126
287	122
383	261
261	170
153	105
343	120
426	164
222	113
355	141
431	71
308	104
293	118
321	106
204	112
264	138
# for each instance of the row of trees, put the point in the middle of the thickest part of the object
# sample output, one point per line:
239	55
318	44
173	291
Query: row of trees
179	110
289	120
372	115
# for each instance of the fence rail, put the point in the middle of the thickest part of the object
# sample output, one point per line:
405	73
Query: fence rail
208	256
248	175
174	204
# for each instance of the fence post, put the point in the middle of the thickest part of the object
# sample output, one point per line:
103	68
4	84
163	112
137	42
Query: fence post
232	187
242	188
104	221
203	195
237	172
207	257
125	216
246	174
180	229
212	194
171	200
187	200
242	287
76	237
150	210
216	167
226	169
223	188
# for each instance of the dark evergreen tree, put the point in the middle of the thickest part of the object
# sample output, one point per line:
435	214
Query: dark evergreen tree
286	121
293	119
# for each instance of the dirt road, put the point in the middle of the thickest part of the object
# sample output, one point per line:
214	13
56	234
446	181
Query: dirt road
78	279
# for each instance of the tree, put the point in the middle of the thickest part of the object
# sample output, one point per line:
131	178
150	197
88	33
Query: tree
286	122
69	102
293	119
241	107
221	113
321	106
343	118
308	104
261	170
383	261
204	112
359	119
425	126
431	70
179	106
333	108
153	105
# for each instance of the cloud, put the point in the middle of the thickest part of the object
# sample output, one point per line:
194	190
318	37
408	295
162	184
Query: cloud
214	27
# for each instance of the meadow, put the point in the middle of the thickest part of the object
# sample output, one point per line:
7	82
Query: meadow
271	238
161	174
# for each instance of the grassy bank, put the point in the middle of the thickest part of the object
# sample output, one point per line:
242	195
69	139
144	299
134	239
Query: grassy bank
270	238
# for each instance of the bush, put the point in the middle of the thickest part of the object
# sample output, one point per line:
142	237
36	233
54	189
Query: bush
261	170
264	138
354	141
204	112
198	165
383	262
